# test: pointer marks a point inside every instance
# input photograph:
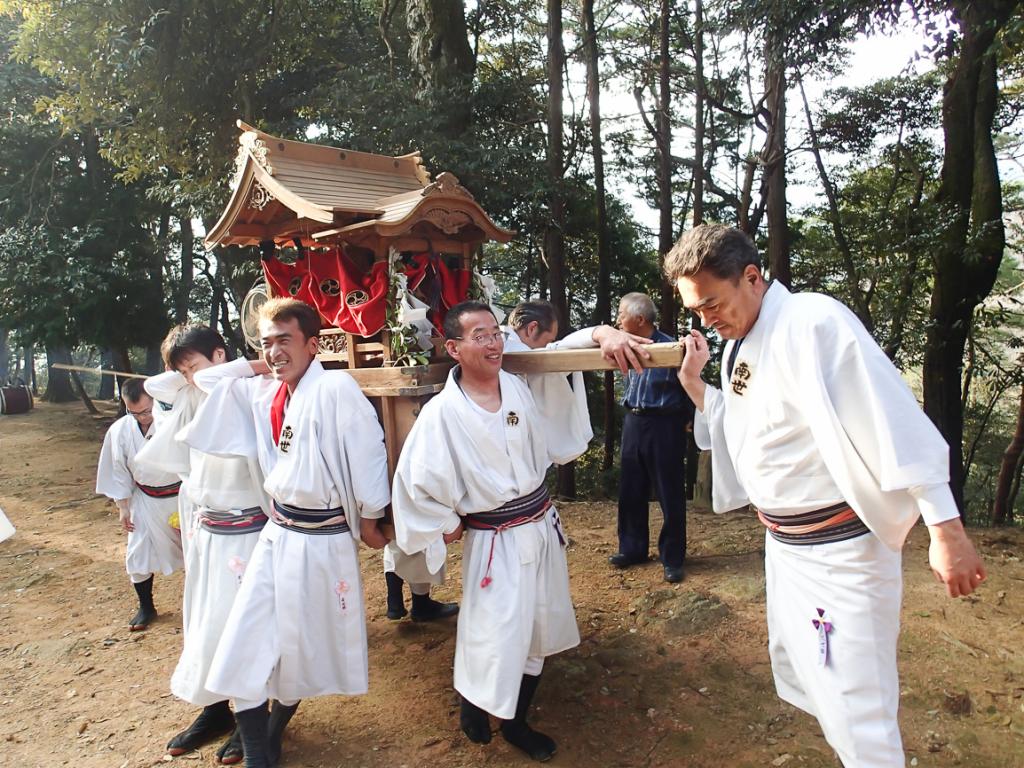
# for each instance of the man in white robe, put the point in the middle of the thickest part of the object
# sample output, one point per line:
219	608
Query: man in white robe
297	627
815	427
478	453
146	498
562	399
222	510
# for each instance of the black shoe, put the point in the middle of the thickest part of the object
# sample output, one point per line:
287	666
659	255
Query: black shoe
673	574
474	723
147	612
212	722
425	608
253	727
621	560
396	600
537	745
280	715
231	752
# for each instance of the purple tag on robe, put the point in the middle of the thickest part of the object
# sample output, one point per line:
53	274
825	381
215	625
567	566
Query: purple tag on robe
824	626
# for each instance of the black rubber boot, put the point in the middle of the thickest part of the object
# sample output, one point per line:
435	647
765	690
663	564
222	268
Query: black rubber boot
279	717
147	611
253	726
537	745
231	752
474	722
425	608
396	600
214	720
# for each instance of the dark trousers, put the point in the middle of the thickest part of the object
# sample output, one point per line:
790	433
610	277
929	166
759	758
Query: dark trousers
653	454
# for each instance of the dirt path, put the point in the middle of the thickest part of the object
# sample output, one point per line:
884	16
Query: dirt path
665	675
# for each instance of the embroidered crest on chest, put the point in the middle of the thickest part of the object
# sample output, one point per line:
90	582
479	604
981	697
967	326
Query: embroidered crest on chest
512	419
740	378
286	439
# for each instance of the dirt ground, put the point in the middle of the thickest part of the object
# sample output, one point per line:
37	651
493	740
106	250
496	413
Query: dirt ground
665	675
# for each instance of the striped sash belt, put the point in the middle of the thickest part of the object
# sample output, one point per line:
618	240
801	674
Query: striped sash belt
312	521
526	509
160	491
231	523
821	526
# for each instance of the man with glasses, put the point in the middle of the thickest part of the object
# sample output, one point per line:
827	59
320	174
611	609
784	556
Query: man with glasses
476	459
146	498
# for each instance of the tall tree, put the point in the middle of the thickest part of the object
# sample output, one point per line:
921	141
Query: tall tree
971	245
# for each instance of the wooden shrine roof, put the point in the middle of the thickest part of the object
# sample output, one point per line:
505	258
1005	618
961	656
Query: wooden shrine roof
286	189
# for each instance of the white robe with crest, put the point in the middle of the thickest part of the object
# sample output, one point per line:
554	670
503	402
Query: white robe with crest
452	465
297	628
814	414
214	563
154	546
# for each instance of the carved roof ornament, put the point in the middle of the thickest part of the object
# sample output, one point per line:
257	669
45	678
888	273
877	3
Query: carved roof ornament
447	183
260	197
447	220
258	149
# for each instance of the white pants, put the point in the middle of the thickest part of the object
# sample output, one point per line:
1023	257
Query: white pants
297	628
154	546
855	696
523	615
213	576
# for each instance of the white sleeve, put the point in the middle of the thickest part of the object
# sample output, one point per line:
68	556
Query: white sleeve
208	378
935	502
113	478
424	496
223	425
581	339
727	491
165	386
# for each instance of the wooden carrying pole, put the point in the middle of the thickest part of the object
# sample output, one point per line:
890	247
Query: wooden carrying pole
666	355
107	371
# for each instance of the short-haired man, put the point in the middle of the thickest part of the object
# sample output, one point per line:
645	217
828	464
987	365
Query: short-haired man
297	627
146	498
815	427
477	457
562	400
222	509
653	451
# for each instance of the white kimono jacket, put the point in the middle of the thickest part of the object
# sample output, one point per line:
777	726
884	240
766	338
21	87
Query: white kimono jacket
297	627
812	415
563	407
214	563
815	413
452	465
154	546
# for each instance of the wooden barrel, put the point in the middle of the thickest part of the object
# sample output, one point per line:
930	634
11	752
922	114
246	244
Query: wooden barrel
15	400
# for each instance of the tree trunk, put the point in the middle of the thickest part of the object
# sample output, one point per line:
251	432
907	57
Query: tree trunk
971	245
775	156
187	269
106	388
698	113
1008	469
58	386
29	354
603	305
554	243
443	60
5	354
668	320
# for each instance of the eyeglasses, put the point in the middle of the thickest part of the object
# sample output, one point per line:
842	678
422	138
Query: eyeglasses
142	414
483	339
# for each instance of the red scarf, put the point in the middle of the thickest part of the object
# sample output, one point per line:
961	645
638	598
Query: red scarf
277	406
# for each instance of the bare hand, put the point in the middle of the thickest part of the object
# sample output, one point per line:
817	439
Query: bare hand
260	367
454	535
626	350
953	558
695	358
124	515
371	534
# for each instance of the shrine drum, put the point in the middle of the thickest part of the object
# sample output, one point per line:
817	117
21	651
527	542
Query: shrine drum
15	400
